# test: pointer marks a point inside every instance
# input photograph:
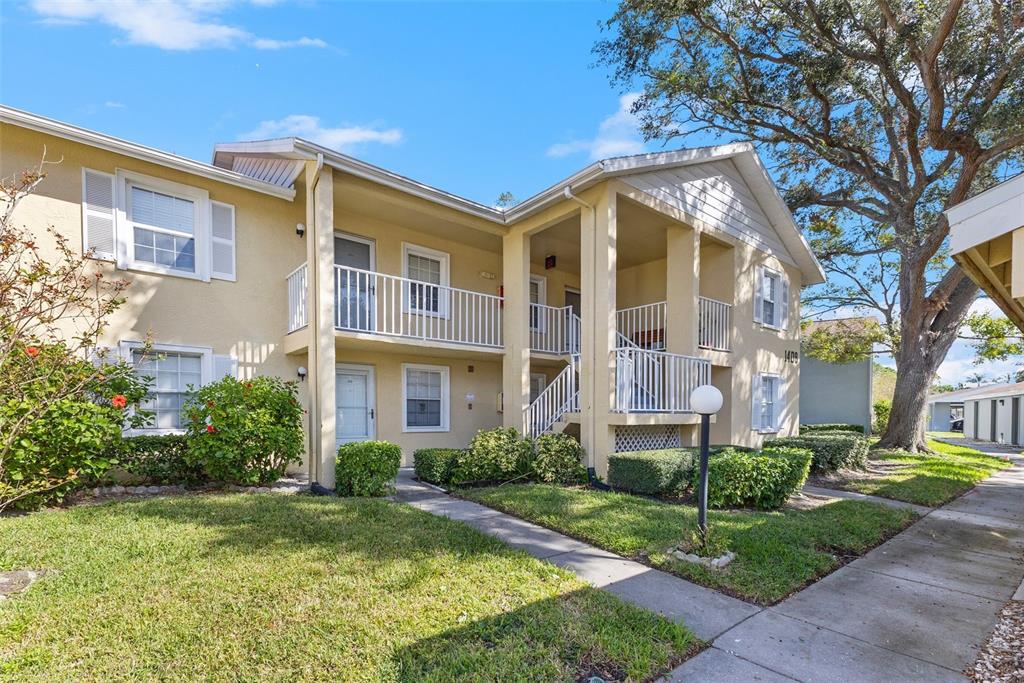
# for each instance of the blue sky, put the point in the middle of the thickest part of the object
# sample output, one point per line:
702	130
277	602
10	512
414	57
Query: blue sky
476	98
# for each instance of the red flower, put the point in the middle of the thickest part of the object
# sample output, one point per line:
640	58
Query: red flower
32	351
209	404
119	401
210	429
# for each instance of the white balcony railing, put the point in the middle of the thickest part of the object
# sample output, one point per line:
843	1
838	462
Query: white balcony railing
656	381
554	330
643	325
375	303
714	324
559	397
297	294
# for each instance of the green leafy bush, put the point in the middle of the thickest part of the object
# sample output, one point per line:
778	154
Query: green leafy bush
245	432
366	468
67	415
494	455
763	480
159	459
832	427
832	450
435	465
882	408
559	460
655	473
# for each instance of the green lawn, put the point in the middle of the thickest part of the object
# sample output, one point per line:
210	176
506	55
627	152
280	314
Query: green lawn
269	587
778	552
923	479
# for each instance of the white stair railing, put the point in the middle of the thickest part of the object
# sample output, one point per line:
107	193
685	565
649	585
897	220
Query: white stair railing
554	330
644	326
656	381
714	321
559	397
367	301
298	290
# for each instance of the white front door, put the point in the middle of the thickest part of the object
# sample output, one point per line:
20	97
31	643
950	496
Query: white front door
355	403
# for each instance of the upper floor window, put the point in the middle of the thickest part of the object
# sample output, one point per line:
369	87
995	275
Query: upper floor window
163	229
429	271
771	298
538	295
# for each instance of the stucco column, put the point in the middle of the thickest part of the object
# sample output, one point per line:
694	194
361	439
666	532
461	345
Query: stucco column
682	289
597	341
515	383
321	282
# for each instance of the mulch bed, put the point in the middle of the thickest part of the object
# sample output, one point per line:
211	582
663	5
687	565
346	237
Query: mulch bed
1001	658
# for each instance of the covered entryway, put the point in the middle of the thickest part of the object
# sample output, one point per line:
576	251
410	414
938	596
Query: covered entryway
355	403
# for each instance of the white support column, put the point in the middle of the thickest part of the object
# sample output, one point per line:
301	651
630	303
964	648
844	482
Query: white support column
516	328
321	325
682	289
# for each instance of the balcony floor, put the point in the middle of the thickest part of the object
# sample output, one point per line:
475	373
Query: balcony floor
297	342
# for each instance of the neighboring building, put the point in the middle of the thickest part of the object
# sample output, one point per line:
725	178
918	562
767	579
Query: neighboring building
594	306
996	413
987	240
945	408
836	392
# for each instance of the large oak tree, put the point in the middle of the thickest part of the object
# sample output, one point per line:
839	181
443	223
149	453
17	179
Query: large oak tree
875	116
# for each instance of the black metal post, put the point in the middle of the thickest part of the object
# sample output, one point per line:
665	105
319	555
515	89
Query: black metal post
702	494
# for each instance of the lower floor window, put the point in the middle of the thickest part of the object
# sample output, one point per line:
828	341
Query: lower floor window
170	375
766	403
425	394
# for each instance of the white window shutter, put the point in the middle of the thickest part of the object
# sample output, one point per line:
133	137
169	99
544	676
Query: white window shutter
755	407
224	366
222	242
758	293
784	304
776	404
98	233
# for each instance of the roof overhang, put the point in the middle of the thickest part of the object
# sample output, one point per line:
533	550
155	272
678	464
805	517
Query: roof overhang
42	124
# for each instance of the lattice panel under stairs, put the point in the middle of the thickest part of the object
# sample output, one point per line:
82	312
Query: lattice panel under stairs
646	437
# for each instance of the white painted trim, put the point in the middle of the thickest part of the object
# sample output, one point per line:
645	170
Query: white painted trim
776	325
125	347
408	248
371	395
445	397
369	241
233	276
542	299
17	117
124	228
87	212
776	403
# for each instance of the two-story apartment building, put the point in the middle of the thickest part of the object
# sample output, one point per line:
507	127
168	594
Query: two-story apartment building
414	315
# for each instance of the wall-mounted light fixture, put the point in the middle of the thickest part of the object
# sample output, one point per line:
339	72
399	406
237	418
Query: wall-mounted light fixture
302	372
300	229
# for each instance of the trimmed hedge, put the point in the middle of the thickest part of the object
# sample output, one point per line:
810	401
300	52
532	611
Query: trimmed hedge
495	455
831	427
366	468
158	459
763	480
664	472
832	450
559	460
436	465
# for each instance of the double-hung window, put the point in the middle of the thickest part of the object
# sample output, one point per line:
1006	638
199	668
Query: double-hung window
172	375
766	407
163	229
425	398
771	298
428	271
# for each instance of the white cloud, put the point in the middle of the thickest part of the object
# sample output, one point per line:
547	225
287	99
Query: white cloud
618	135
166	24
113	104
342	138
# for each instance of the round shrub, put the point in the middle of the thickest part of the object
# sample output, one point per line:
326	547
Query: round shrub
559	460
494	455
654	473
435	465
763	480
245	432
366	468
158	459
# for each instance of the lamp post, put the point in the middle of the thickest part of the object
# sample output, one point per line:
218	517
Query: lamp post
705	400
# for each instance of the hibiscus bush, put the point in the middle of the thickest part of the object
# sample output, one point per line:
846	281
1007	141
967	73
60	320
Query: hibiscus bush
245	432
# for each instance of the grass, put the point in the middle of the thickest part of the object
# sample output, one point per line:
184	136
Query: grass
777	552
925	479
268	587
946	435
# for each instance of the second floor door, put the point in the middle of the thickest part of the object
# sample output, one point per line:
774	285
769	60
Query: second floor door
354	260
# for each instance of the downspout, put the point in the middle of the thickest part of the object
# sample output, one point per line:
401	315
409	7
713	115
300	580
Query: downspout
567	193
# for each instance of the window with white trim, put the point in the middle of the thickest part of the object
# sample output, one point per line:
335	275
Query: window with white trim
771	298
425	398
429	267
766	398
163	228
172	376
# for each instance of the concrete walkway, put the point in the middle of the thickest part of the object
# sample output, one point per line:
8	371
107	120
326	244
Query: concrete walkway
913	609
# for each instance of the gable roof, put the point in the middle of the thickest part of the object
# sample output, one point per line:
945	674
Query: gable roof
67	131
742	155
987	391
